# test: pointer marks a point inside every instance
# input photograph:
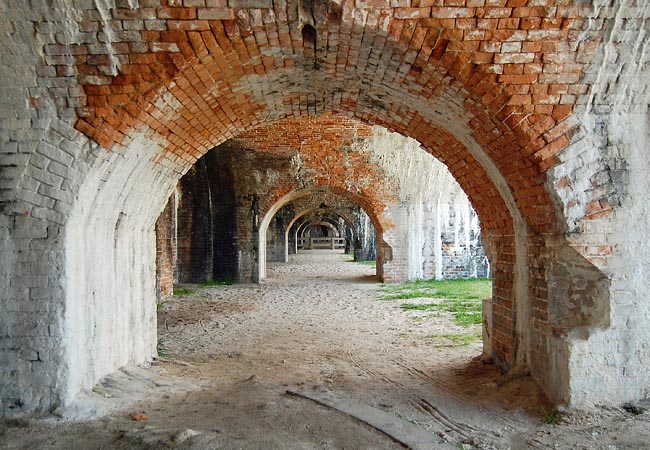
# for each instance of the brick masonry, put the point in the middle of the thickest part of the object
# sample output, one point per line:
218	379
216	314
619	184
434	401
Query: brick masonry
538	108
323	161
166	249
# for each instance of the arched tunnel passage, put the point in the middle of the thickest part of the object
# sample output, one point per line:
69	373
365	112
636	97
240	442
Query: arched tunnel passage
508	136
265	168
309	210
343	229
432	220
305	226
394	262
314	305
433	232
318	222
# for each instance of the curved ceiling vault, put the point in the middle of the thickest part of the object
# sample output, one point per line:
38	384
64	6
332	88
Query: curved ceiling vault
309	201
468	83
307	217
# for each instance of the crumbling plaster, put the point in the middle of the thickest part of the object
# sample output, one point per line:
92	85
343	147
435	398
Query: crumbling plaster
602	183
62	196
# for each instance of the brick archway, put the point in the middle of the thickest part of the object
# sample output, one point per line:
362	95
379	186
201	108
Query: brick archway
488	89
306	214
332	211
469	83
370	206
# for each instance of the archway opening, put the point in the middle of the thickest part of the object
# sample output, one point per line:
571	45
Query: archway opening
430	223
214	82
317	218
111	102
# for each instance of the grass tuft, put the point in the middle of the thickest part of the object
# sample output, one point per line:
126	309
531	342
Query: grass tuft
225	281
183	291
458	339
162	351
552	417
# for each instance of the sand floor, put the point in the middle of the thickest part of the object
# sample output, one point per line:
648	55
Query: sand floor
228	355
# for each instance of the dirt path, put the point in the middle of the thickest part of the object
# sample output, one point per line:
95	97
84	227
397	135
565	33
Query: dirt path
229	354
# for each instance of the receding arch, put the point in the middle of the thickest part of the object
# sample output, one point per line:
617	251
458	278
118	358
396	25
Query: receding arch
332	211
375	217
154	169
323	222
308	211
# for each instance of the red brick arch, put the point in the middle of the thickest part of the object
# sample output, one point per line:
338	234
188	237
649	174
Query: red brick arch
307	212
208	73
325	138
486	89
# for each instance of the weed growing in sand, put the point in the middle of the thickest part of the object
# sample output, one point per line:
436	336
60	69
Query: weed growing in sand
183	291
403	417
225	281
457	339
552	417
162	351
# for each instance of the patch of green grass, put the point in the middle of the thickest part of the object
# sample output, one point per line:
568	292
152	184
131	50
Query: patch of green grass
472	288
225	281
458	339
371	263
469	318
465	312
183	291
461	298
347	257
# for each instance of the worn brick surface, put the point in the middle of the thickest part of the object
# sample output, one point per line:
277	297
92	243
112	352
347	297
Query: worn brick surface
538	108
166	249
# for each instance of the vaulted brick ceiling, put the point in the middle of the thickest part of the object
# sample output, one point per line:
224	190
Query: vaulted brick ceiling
495	72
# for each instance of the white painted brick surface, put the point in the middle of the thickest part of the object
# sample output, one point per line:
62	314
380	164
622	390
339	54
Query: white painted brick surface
95	232
609	159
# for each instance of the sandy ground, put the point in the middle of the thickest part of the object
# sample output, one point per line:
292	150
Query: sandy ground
228	355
